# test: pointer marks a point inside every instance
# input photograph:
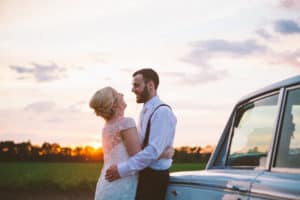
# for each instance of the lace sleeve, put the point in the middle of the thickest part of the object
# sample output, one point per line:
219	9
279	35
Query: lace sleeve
127	123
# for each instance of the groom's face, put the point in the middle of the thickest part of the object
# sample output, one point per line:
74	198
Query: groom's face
140	88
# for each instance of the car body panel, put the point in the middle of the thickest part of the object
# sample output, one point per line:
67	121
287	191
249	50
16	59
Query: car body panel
211	184
276	185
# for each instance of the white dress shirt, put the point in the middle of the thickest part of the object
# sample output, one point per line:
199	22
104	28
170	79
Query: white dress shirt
162	131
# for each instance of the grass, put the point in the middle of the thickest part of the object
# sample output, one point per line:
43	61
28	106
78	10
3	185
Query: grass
60	176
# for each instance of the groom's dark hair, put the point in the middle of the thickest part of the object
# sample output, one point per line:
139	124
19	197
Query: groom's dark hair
148	75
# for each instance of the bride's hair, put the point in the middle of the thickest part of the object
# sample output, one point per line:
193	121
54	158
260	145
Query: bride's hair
103	101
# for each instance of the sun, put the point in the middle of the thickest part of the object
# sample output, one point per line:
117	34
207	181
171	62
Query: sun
95	145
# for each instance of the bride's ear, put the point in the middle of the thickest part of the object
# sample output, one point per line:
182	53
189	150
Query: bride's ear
114	108
115	105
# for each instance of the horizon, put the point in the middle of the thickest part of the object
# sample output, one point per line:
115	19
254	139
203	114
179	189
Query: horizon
54	57
206	148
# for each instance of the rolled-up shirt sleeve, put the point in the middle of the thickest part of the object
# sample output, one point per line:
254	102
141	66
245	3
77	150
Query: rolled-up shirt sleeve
163	123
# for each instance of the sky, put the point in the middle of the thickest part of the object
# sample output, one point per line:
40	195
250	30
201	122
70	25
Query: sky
54	55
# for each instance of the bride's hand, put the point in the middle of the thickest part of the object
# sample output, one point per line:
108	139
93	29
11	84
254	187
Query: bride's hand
168	153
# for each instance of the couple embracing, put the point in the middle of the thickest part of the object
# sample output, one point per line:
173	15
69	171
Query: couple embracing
136	158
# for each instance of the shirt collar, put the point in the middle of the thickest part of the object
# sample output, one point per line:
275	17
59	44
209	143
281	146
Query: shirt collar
151	102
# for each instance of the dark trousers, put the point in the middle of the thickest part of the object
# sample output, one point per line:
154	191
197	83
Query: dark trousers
152	184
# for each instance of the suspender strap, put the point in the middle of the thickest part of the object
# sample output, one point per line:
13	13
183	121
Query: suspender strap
146	140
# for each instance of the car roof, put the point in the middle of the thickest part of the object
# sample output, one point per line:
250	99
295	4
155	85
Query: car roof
275	86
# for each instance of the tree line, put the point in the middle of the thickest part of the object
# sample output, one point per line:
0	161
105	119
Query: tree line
47	152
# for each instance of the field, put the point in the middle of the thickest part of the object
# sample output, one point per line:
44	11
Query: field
56	180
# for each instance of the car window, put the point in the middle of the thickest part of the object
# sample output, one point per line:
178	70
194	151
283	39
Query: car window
252	133
288	155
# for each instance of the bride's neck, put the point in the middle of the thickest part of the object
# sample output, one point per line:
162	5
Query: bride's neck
115	118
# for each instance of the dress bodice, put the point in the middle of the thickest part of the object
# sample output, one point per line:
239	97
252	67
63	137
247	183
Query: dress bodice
115	152
113	146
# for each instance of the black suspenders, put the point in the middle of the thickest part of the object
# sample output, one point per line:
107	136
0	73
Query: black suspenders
146	140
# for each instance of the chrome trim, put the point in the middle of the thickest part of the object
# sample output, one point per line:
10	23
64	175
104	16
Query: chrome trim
293	87
229	139
286	170
276	128
220	145
210	187
256	98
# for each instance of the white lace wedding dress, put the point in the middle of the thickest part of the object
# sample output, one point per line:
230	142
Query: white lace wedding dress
114	153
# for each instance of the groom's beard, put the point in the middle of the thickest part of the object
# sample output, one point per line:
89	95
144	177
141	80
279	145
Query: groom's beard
144	96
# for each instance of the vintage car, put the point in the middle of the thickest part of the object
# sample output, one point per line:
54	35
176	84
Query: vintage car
258	154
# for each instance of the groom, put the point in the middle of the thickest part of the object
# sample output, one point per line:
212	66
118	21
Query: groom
154	172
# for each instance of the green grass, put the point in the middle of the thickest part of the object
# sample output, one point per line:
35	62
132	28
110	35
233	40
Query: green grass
60	176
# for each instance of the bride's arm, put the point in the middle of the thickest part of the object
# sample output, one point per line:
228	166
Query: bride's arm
131	141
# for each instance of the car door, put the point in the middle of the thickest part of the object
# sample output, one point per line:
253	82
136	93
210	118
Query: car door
252	134
282	180
242	157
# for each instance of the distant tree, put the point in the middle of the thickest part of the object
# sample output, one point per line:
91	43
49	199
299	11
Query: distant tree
8	150
192	154
55	148
25	151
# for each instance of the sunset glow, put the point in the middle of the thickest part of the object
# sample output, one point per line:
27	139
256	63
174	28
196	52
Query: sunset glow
55	54
95	145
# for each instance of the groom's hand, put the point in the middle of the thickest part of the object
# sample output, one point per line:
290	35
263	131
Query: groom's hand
112	173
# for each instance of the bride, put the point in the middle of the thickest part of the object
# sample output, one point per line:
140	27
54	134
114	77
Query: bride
120	141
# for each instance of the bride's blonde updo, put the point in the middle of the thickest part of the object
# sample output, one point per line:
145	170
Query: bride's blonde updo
102	102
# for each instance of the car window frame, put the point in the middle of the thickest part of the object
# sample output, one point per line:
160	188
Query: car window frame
278	92
216	162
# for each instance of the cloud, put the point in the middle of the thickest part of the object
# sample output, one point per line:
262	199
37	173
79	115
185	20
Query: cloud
41	106
202	51
76	107
204	75
192	105
264	34
287	27
49	106
290	3
288	58
21	70
42	73
223	46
